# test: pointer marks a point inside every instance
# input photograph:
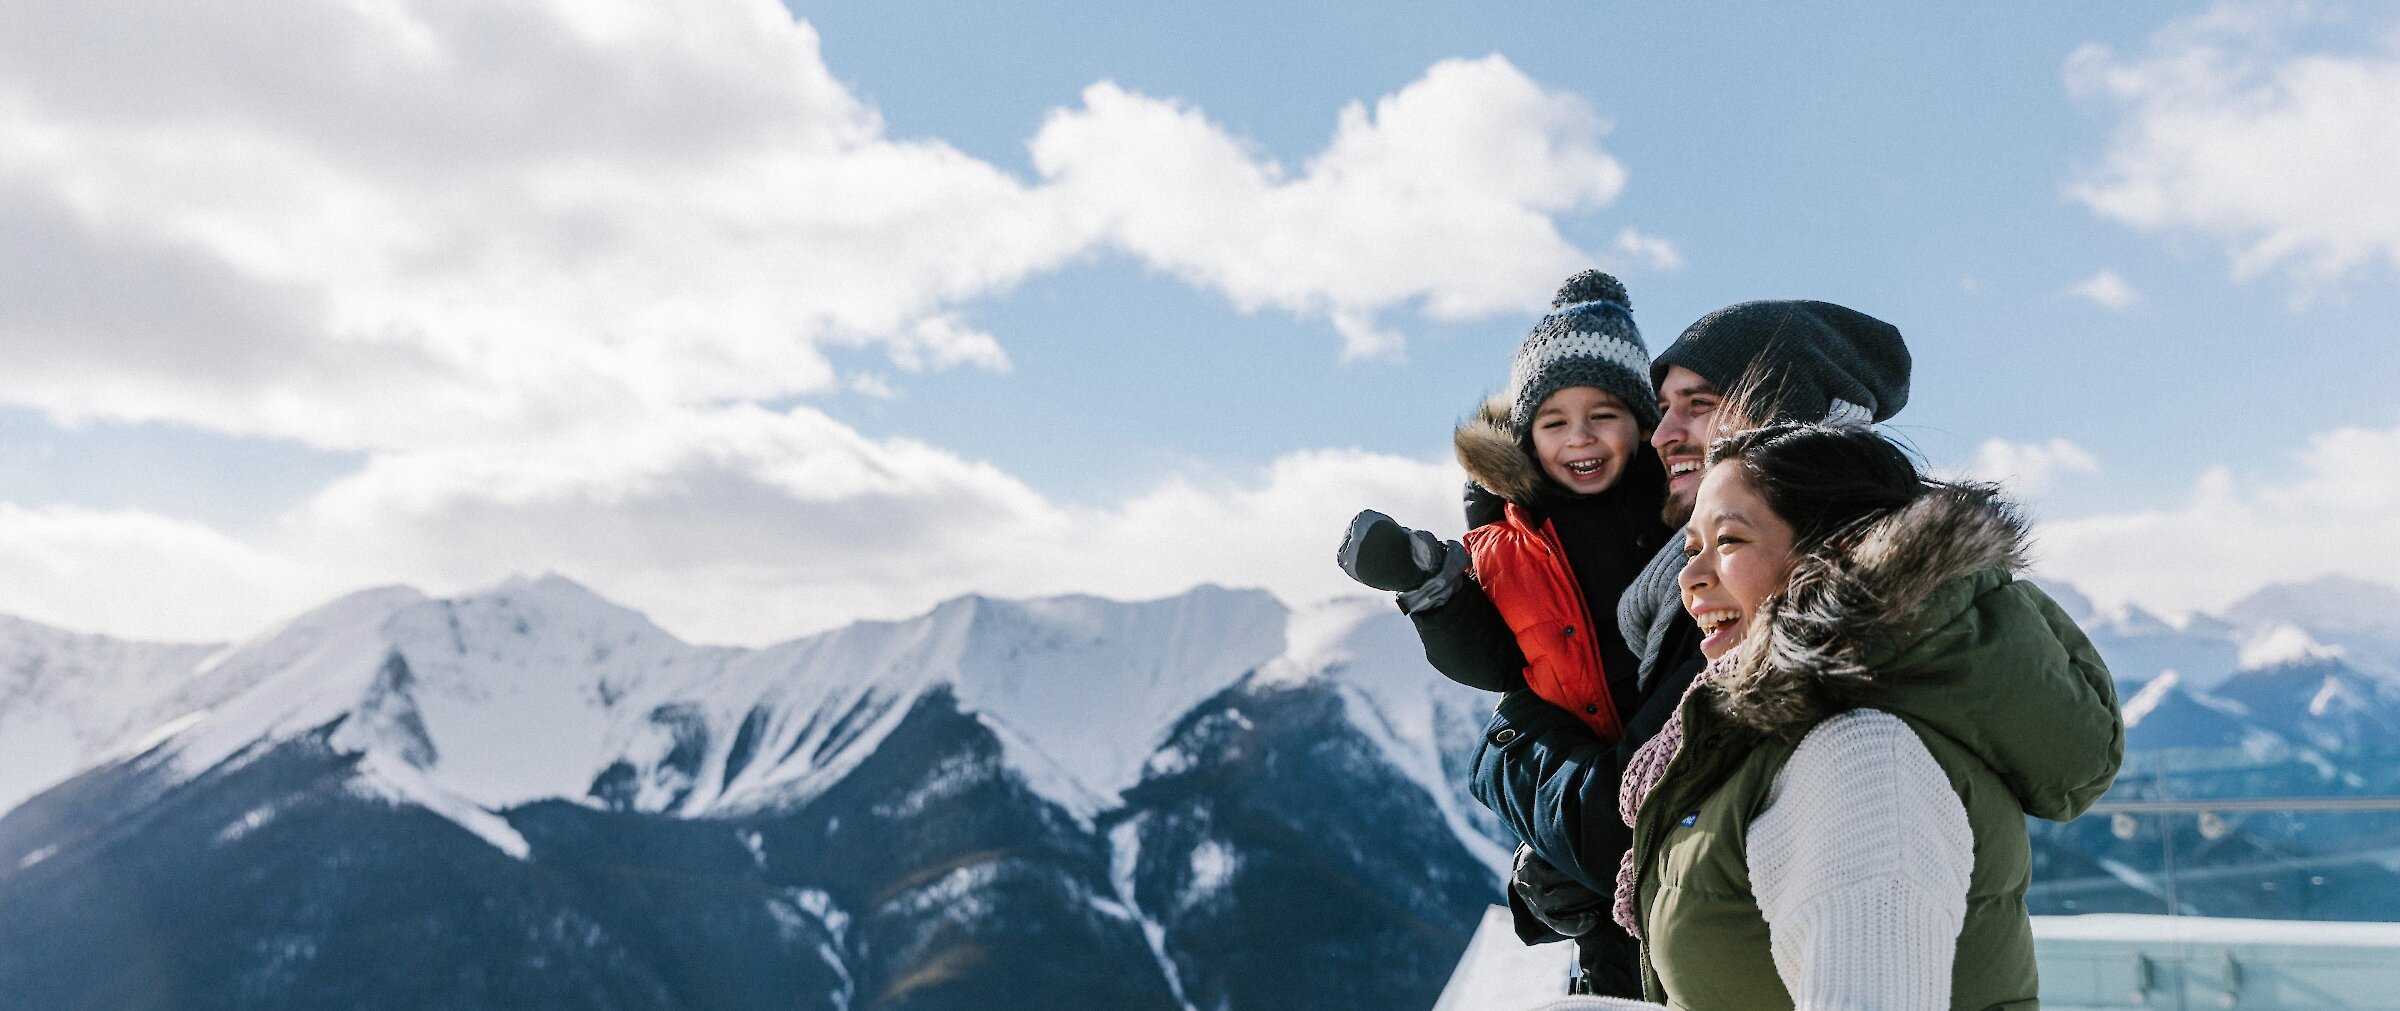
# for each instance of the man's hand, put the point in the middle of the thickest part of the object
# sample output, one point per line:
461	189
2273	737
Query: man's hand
1560	902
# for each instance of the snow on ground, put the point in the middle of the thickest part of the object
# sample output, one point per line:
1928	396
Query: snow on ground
1500	973
2158	929
1124	856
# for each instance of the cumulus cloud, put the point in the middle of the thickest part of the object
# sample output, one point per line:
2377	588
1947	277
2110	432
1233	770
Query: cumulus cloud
2106	289
2333	509
2030	469
1648	249
748	525
543	262
432	222
136	574
435	221
2284	156
1444	195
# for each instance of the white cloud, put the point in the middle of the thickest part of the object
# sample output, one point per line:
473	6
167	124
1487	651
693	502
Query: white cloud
1444	194
430	222
1648	249
2333	510
541	261
2286	157
751	526
868	384
2106	290
141	575
2030	469
740	525
748	525
435	221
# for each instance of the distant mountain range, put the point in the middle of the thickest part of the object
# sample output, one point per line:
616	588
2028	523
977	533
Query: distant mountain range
533	797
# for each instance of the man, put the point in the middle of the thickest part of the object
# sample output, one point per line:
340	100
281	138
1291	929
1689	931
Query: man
1745	363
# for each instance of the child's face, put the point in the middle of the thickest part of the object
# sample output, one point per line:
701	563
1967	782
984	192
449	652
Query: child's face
1740	553
1582	436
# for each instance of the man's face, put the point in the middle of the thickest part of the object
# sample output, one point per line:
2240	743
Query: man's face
1691	413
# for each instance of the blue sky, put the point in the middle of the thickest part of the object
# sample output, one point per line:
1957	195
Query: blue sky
764	320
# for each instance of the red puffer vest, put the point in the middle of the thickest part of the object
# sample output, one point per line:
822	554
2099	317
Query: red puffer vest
1524	570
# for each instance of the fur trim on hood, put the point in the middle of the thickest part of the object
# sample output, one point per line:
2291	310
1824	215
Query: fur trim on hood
1830	640
1491	455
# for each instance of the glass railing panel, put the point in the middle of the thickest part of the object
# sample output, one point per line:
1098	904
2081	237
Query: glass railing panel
2221	879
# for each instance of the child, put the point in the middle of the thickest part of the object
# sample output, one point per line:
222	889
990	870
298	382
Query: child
1564	512
1564	509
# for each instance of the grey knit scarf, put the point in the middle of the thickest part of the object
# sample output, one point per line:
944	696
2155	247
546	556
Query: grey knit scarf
1650	603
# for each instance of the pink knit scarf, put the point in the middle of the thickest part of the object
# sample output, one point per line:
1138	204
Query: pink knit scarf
1642	774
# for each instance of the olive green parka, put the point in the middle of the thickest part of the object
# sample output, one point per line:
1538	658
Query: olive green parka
1920	616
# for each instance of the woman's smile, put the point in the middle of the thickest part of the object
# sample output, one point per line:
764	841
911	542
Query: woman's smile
1721	628
1739	553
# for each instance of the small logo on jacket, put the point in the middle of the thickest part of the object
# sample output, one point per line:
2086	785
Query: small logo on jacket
1690	820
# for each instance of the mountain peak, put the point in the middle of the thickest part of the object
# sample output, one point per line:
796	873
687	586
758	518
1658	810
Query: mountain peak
2327	605
2284	644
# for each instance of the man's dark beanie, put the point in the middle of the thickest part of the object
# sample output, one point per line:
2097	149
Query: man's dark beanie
1818	361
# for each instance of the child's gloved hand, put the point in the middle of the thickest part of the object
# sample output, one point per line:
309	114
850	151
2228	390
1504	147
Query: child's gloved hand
1381	553
1422	568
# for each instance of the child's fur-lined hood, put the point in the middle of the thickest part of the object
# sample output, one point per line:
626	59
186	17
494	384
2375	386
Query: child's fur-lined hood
1491	454
1920	614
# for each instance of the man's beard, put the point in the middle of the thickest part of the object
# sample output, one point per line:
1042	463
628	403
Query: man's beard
1676	512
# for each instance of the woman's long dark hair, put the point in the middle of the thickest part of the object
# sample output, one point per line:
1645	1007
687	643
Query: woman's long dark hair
1832	483
1827	481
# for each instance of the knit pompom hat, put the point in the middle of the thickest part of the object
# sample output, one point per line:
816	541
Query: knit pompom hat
1589	340
1812	361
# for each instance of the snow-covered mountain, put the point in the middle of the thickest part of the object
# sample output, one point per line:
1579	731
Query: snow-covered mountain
2360	620
902	813
541	798
2332	617
67	699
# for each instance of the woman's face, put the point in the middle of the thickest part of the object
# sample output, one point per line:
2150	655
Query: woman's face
1583	435
1740	553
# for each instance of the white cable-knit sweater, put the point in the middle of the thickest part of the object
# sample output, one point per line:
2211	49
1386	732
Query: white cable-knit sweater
1860	864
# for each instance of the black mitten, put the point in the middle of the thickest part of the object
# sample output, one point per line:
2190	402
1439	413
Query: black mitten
1381	553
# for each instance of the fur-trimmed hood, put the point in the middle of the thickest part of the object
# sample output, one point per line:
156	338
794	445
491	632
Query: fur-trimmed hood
1492	456
1921	614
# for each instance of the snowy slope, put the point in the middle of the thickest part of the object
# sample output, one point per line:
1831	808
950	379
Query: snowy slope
2166	714
67	699
2360	619
496	699
1079	689
538	688
1427	725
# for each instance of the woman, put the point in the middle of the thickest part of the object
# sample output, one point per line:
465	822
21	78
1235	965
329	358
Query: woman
1836	816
